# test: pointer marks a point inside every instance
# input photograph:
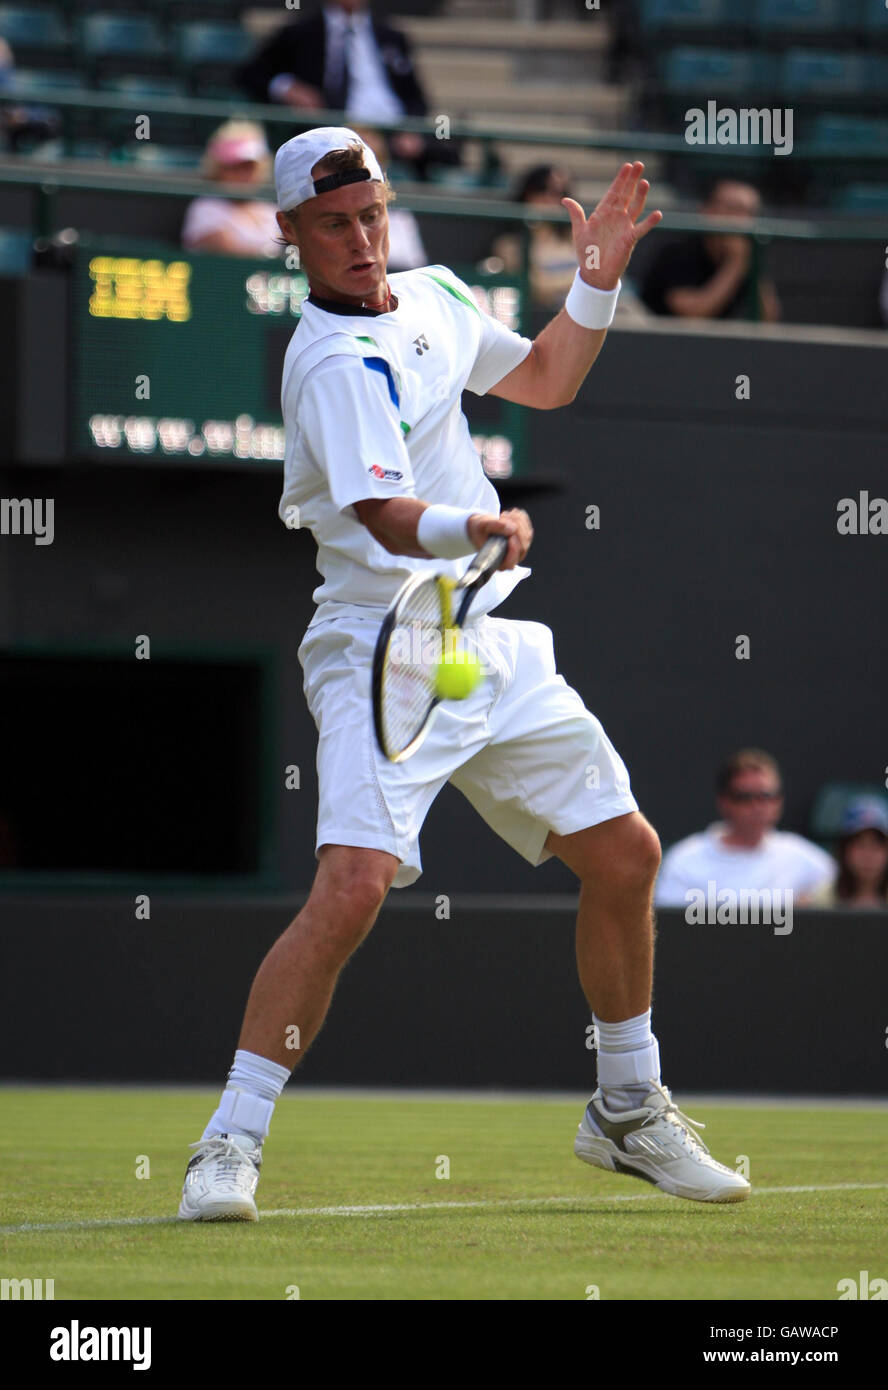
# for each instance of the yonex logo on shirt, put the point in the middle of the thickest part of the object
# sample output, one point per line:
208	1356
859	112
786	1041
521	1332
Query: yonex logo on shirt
388	475
375	418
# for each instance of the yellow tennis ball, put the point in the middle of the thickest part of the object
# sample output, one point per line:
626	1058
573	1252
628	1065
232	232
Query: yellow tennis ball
457	675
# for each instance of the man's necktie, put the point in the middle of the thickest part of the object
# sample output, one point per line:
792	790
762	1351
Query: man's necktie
337	89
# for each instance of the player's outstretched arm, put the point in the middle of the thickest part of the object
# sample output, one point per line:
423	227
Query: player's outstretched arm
555	368
394	523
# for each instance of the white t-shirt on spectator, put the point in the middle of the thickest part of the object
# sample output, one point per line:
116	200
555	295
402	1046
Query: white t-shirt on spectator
781	860
406	251
255	233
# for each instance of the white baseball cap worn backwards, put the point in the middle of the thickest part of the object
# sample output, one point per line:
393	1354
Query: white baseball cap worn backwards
296	158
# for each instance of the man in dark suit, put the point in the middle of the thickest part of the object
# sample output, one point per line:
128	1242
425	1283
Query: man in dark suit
344	59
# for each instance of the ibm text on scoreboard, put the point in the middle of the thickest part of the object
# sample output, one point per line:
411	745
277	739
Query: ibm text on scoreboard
177	359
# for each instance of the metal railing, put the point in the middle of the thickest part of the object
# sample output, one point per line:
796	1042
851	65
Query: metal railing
632	142
47	184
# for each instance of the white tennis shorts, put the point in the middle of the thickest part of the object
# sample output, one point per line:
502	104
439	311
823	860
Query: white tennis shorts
522	747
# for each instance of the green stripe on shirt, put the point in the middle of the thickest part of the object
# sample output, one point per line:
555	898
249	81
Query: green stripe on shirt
457	294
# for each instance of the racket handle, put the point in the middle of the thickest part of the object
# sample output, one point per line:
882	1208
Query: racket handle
492	552
481	569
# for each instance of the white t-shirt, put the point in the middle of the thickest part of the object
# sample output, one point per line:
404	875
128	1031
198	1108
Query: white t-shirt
253	225
781	860
372	408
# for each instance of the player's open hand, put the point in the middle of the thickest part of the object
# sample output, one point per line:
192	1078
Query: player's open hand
514	523
605	241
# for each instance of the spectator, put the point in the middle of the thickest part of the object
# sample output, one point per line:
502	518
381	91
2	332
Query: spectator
553	260
708	277
236	154
862	855
553	257
406	251
744	851
26	126
343	59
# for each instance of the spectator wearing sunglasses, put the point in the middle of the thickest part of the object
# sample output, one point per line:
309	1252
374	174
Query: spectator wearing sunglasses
744	850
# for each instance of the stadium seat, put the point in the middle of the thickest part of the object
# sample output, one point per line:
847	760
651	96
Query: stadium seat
207	89
151	155
15	251
715	72
806	73
863	197
209	55
166	128
183	11
54	150
830	803
147	85
679	16
874	22
127	36
88	149
35	30
849	133
803	18
35	88
25	82
201	45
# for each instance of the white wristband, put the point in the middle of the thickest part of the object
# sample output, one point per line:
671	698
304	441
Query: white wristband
591	308
442	532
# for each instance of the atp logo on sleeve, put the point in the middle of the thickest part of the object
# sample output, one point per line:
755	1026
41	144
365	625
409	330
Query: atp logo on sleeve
385	475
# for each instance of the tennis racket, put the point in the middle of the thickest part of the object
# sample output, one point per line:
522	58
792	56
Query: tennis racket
414	634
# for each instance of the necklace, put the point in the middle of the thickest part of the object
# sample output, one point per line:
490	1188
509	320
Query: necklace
384	304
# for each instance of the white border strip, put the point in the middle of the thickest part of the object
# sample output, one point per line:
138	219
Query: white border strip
385	1209
307	1090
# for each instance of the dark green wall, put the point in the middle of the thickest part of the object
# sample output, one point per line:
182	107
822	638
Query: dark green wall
718	518
488	998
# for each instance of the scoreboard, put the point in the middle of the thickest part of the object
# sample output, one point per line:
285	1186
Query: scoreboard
177	358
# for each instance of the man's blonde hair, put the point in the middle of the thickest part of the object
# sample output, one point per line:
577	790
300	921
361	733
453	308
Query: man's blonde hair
345	162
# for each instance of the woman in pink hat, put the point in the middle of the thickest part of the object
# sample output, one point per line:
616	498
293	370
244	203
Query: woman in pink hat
237	154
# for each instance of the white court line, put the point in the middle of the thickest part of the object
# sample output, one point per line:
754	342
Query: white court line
383	1209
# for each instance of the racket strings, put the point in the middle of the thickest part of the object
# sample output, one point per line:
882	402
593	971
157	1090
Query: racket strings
410	670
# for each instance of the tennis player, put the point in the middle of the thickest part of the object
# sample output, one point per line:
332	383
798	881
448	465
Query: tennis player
381	468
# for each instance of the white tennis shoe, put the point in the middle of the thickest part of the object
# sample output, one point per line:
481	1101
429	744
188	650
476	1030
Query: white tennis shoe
656	1143
221	1179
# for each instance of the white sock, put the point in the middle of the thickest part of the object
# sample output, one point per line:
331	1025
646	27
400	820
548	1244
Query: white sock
247	1104
628	1061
